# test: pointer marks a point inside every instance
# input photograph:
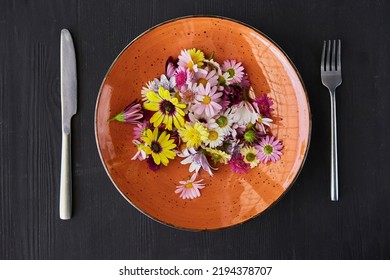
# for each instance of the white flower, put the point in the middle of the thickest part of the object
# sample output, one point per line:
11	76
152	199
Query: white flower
215	137
244	113
196	159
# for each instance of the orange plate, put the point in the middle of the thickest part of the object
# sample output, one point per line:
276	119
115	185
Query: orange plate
229	198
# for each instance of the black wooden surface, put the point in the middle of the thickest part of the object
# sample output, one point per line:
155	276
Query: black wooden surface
305	224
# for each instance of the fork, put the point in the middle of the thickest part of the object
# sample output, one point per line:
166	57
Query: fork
331	78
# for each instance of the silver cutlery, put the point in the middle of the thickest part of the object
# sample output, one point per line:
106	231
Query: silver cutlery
331	78
68	109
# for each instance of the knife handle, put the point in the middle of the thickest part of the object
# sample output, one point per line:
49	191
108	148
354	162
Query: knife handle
66	179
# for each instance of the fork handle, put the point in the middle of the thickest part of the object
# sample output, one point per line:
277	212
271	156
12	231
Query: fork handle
334	180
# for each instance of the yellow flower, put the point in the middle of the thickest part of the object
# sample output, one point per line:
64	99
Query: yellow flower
197	56
160	147
168	109
218	155
250	156
193	134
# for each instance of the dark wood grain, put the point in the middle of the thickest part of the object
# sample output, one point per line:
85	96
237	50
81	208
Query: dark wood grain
305	224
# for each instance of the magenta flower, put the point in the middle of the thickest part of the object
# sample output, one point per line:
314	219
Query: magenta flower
264	104
269	149
238	164
152	165
132	114
183	76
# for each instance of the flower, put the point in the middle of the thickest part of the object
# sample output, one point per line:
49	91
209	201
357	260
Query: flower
238	164
140	154
132	114
262	122
203	77
168	109
264	104
140	129
215	65
207	101
197	160
170	66
244	113
269	149
218	155
190	189
191	59
183	76
215	137
160	147
250	135
249	153
155	84
193	134
235	70
152	165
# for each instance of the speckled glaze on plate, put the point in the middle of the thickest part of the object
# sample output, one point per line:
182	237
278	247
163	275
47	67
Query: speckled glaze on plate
229	198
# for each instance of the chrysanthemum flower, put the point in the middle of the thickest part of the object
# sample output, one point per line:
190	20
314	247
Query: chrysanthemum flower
132	114
190	189
225	121
249	153
191	59
215	138
193	134
183	76
269	149
207	101
244	113
218	155
264	104
197	160
238	164
160	147
235	70
169	110
203	77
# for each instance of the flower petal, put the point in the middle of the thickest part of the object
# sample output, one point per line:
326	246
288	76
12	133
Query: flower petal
153	97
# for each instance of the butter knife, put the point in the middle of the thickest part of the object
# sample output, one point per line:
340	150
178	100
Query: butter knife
68	109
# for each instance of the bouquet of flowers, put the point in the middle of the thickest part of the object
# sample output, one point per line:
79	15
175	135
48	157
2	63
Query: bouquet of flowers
205	113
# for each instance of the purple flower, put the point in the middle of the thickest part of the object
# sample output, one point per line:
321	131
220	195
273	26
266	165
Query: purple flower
238	164
132	114
234	94
269	149
264	104
152	165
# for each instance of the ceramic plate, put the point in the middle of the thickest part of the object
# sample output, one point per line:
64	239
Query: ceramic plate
229	198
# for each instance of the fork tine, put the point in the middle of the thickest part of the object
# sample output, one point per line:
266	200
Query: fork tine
333	62
339	55
328	56
323	57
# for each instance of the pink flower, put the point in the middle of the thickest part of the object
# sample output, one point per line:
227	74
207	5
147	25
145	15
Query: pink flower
207	101
183	77
190	189
132	114
139	129
269	149
203	77
238	164
235	70
264	104
170	66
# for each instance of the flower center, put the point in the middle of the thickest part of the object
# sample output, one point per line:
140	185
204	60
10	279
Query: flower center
202	81
206	99
260	120
222	121
213	135
194	135
190	65
167	107
156	147
188	96
188	185
268	149
231	72
250	157
250	136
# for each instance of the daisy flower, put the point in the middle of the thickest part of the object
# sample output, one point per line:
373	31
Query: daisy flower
140	129
225	121
207	101
249	153
197	160
190	189
191	59
215	138
269	149
264	104
132	114
203	77
218	155
193	134
183	76
235	70
238	164
262	123
160	147
168	110
244	113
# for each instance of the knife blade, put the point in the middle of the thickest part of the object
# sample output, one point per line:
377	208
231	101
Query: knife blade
68	109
